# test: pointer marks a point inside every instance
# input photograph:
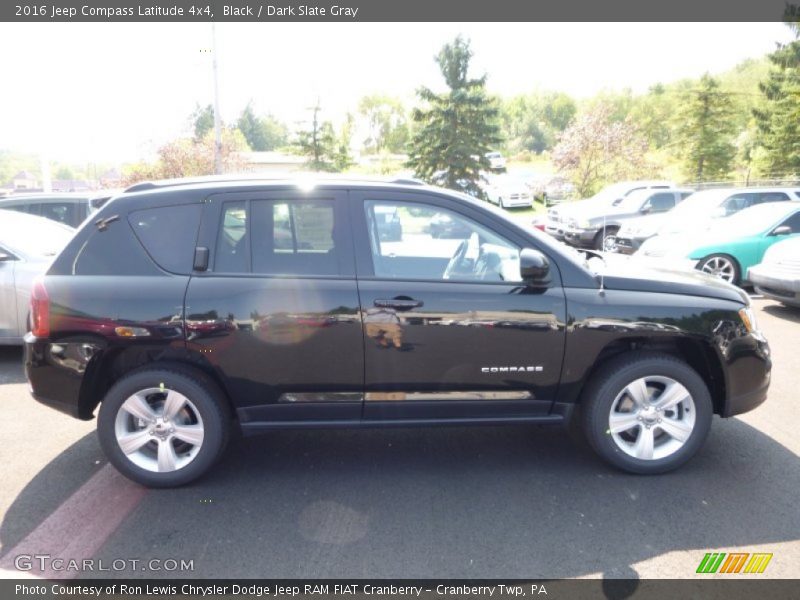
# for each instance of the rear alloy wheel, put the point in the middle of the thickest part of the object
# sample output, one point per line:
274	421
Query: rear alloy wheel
721	265
646	412
161	428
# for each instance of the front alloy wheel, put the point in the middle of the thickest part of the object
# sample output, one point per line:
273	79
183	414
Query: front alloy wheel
652	418
646	412
721	266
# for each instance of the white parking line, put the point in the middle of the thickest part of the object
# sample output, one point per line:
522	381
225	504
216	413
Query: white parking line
77	529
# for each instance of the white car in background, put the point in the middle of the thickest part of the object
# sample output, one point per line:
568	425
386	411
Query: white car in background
509	192
778	275
497	162
28	244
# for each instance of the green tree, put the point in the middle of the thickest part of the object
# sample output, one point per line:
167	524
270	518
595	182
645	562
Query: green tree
387	127
318	143
64	172
705	131
778	119
454	129
533	122
202	121
262	133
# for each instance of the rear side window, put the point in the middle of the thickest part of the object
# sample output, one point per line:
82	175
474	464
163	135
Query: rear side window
113	251
293	237
169	234
277	237
662	202
61	212
772	197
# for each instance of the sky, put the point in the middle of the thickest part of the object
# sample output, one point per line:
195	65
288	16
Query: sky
113	92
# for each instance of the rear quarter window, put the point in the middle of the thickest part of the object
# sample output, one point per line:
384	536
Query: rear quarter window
168	234
112	251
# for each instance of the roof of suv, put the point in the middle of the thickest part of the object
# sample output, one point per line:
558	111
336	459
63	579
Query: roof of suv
245	180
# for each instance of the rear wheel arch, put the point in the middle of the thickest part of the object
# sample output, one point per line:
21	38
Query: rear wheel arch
114	364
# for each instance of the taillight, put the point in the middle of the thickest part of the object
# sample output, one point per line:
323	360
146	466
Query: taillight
40	309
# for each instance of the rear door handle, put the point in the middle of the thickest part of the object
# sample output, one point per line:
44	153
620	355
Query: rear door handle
400	303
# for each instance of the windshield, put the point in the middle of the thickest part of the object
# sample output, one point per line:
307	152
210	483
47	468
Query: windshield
34	237
610	194
635	200
752	221
701	204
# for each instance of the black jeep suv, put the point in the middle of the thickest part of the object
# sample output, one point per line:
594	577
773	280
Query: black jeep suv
185	307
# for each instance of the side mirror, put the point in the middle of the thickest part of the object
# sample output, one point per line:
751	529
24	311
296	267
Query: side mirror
534	267
646	210
617	201
782	230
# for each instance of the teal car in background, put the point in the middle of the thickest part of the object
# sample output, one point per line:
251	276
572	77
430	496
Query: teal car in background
729	247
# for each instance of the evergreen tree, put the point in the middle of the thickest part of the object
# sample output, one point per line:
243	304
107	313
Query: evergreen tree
454	129
705	131
202	121
262	134
320	145
779	119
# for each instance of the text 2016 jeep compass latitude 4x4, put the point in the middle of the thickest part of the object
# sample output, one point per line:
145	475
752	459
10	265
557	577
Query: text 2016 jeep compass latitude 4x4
186	308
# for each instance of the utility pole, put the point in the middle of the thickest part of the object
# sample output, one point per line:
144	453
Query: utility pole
217	122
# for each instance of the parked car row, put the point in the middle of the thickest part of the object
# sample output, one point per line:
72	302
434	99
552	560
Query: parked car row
27	246
724	232
69	208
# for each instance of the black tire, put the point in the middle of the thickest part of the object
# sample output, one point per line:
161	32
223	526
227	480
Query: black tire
612	378
203	393
734	264
602	234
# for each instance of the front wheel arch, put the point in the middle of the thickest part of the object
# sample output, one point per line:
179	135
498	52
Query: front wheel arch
734	263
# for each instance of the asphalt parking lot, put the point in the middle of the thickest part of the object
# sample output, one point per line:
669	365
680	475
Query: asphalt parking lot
450	502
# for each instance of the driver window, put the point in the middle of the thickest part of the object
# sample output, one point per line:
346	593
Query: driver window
420	241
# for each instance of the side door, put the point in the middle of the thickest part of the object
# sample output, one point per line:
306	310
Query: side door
9	325
276	311
449	329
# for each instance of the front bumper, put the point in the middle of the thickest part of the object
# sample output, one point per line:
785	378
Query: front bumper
772	282
749	367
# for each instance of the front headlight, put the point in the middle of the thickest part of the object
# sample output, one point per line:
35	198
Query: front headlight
583	224
748	318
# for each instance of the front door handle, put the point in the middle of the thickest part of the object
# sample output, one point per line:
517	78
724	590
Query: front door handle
399	303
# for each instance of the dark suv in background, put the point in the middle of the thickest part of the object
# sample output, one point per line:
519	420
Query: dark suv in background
69	209
185	308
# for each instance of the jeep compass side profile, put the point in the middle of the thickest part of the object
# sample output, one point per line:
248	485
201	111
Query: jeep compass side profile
187	308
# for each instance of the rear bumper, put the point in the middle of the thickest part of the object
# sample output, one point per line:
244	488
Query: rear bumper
55	373
554	230
580	237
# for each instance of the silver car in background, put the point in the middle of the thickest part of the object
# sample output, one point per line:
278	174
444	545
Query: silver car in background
778	275
27	246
